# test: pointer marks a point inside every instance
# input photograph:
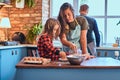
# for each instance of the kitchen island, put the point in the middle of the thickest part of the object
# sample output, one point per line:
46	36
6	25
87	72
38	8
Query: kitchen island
11	55
100	68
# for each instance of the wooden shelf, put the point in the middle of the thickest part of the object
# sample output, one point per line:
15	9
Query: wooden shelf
4	5
1	5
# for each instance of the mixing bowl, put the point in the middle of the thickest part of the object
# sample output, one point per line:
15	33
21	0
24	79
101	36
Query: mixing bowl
75	59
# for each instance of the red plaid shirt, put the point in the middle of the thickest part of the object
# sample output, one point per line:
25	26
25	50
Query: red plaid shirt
46	48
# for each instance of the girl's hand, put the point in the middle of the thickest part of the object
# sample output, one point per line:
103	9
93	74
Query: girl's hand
62	55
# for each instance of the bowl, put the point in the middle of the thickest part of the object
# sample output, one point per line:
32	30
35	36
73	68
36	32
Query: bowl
75	59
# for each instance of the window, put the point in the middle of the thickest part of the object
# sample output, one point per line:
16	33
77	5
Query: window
96	7
106	13
55	7
112	8
113	17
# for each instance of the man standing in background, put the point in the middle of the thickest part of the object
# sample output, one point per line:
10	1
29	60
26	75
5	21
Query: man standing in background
92	28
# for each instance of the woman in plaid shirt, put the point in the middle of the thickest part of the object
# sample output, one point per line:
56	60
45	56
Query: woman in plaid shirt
45	42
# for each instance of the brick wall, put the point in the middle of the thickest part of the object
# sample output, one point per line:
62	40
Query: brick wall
20	18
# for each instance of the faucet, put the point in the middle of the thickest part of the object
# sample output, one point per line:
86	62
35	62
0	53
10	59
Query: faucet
101	38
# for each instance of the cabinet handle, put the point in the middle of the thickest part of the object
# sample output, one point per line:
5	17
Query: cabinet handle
12	52
105	54
98	54
16	52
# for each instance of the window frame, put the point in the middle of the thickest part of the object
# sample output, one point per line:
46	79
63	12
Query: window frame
105	16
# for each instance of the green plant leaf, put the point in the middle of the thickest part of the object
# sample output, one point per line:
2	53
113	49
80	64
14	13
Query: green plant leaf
30	3
34	31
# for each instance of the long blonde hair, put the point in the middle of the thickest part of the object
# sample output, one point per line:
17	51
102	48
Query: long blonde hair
49	26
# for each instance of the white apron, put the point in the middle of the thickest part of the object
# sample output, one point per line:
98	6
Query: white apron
74	37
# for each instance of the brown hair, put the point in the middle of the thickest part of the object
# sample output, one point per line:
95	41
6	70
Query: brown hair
61	17
84	7
49	26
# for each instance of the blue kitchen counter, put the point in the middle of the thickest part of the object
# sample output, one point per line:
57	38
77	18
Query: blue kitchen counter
99	68
18	46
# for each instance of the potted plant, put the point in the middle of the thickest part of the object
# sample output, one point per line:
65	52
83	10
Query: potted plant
33	32
21	3
30	3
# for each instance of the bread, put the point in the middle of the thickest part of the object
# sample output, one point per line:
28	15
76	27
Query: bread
115	45
36	60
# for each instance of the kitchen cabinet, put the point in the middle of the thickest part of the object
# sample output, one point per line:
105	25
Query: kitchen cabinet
106	53
8	59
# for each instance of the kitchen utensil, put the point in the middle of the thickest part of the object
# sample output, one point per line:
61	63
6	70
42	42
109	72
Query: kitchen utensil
75	59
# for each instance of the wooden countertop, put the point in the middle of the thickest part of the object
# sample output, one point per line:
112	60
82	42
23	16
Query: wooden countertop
99	62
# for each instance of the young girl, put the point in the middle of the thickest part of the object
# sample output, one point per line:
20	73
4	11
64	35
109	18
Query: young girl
45	42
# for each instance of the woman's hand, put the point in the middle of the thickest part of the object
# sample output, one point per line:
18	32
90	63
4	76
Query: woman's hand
62	55
88	56
73	47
